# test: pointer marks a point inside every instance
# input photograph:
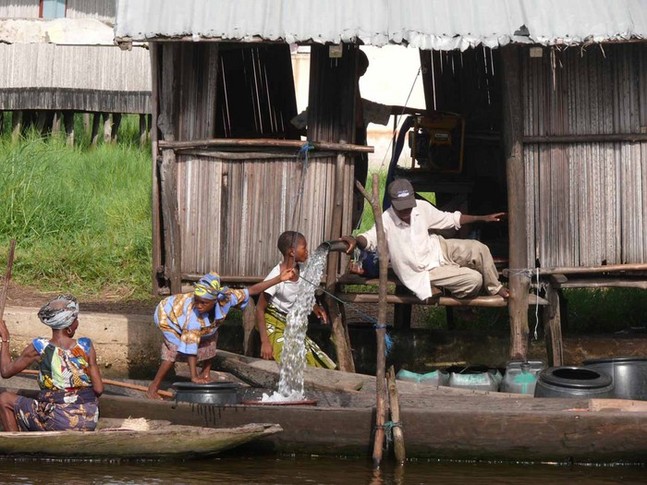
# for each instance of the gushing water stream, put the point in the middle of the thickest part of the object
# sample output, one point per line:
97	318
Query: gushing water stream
293	357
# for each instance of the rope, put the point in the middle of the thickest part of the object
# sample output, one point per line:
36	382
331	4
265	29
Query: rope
388	430
302	153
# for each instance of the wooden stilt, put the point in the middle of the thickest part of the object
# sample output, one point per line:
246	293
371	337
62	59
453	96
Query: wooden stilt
143	131
553	328
68	123
394	406
16	124
107	127
94	134
380	378
116	123
249	325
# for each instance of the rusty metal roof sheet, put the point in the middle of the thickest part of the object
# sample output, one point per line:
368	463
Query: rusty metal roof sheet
426	24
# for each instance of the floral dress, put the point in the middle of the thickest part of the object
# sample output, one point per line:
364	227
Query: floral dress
67	400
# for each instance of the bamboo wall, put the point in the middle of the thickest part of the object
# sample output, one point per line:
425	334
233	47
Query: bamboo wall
223	210
95	78
233	210
587	199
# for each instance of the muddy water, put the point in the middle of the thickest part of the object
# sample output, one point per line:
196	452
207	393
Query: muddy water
233	470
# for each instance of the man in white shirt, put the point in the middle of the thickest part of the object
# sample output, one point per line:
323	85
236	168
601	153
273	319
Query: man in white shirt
421	259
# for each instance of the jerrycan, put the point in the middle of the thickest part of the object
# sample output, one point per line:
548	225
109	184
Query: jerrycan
521	376
478	378
434	378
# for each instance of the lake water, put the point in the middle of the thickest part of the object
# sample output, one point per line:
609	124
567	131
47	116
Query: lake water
250	470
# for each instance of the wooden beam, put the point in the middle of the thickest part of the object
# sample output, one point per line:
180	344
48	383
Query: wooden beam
493	301
607	268
602	283
263	142
593	138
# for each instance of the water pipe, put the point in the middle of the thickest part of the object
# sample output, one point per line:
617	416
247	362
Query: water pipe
335	245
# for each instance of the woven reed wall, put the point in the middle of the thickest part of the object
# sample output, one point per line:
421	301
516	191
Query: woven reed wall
587	200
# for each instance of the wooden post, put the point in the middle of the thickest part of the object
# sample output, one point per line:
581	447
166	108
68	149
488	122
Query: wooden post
394	405
116	123
94	134
339	329
519	282
16	125
249	324
107	127
170	220
143	130
68	123
380	380
551	316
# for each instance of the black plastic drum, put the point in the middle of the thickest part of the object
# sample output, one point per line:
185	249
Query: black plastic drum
573	382
629	375
212	393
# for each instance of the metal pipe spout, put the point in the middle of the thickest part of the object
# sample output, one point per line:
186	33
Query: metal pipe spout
334	245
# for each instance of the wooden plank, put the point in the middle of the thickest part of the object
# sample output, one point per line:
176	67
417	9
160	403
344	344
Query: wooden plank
624	405
479	301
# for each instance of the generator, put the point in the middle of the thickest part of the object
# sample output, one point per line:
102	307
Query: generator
437	141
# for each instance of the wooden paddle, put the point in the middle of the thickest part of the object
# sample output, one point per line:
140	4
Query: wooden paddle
110	382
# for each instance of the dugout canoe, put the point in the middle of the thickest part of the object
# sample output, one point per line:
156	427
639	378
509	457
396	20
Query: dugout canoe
436	423
132	439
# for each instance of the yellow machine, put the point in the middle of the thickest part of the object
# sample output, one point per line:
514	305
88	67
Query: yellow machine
437	141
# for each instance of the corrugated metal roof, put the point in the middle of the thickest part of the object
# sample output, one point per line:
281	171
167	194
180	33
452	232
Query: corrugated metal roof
426	24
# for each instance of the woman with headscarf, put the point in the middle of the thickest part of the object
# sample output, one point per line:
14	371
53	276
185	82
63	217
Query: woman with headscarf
189	323
68	375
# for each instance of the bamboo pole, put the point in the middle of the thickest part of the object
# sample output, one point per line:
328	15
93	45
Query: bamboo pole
7	277
110	382
394	406
380	382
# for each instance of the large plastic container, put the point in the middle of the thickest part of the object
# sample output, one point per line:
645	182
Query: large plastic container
573	382
434	378
629	375
478	378
521	377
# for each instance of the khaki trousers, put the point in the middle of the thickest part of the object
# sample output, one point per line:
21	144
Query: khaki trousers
470	267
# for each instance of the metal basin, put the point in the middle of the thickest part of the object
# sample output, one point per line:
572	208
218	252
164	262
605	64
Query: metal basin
211	393
629	375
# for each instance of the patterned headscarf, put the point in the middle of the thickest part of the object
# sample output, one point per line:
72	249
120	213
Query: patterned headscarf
60	313
208	287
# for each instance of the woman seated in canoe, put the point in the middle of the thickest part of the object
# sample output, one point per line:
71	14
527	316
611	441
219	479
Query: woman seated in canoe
68	376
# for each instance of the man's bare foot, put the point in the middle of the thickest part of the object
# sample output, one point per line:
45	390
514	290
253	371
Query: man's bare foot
152	394
504	292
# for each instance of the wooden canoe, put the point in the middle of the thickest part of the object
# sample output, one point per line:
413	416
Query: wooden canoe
132	439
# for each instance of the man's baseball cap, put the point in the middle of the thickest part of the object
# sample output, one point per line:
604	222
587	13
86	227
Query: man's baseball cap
401	194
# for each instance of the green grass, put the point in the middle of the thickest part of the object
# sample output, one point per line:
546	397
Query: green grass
81	216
